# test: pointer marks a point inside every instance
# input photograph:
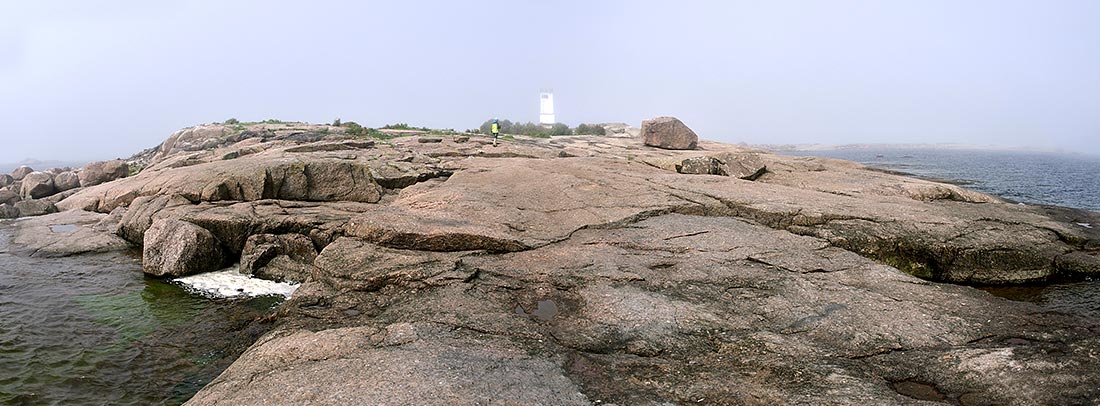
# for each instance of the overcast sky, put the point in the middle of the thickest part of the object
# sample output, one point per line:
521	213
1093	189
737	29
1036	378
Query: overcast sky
91	81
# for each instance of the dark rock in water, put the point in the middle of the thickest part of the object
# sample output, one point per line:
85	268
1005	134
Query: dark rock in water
278	257
37	185
5	179
20	172
668	133
66	181
103	171
32	207
8	211
178	248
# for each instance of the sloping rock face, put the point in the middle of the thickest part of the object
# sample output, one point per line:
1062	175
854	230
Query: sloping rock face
20	172
66	181
589	270
668	133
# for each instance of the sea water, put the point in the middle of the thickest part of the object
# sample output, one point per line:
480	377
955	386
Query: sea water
92	330
1049	178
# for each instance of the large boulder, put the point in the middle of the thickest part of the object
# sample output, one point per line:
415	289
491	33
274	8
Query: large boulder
103	171
8	211
66	181
33	207
177	248
5	179
668	133
37	185
20	172
8	196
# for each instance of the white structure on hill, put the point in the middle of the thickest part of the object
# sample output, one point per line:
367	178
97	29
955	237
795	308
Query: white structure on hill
546	107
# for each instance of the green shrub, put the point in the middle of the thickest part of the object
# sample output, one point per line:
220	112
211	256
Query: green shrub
590	129
336	122
560	129
272	121
231	121
352	128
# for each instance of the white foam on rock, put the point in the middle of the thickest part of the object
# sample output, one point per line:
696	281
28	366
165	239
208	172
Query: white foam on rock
231	283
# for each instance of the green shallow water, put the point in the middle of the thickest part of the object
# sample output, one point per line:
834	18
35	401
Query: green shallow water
92	330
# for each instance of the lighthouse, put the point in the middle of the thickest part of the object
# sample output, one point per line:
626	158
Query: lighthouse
546	108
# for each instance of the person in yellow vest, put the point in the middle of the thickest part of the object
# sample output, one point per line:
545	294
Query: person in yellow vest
495	131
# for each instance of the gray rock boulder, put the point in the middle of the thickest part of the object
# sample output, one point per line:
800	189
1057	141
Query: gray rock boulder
178	248
20	172
103	171
5	179
746	166
33	207
37	185
8	211
66	181
668	133
8	196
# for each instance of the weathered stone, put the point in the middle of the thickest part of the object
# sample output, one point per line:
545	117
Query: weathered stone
458	139
103	171
178	248
9	197
429	140
66	181
37	185
278	256
5	179
20	172
67	233
746	166
355	264
8	211
668	133
141	213
700	165
35	207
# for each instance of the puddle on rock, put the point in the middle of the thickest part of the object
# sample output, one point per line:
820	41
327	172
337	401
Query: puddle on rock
545	310
917	390
63	228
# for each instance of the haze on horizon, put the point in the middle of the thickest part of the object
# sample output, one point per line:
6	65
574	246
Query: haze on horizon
83	81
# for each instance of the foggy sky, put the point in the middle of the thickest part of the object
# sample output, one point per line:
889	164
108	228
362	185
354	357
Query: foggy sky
81	81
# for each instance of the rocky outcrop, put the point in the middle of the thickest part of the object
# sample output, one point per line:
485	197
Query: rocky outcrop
37	185
66	181
7	211
179	248
8	197
458	273
668	133
68	233
20	172
103	171
5	179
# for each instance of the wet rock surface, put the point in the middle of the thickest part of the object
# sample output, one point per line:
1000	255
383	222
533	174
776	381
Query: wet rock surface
587	270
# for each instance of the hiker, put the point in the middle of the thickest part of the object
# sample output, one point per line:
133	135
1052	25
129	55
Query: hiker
495	131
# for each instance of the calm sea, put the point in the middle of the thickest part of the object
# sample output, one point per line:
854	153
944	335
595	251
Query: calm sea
1061	179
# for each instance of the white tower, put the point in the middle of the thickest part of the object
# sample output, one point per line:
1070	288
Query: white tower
546	107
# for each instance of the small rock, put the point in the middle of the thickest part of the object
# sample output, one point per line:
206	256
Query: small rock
35	208
746	166
668	133
103	171
177	248
426	140
459	139
20	172
66	181
6	179
37	185
700	165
